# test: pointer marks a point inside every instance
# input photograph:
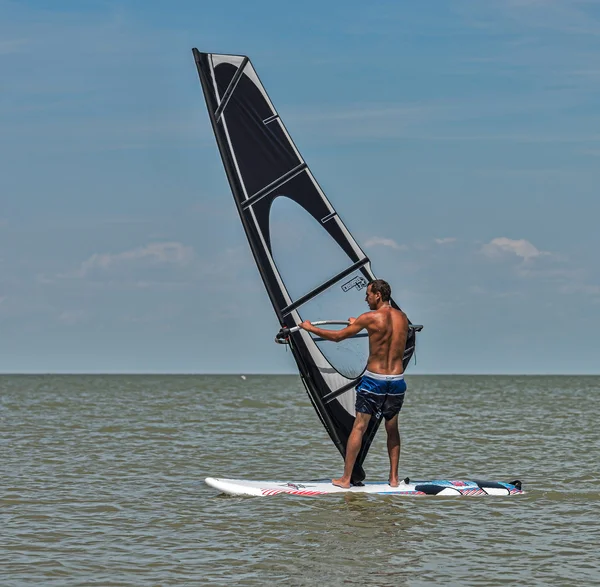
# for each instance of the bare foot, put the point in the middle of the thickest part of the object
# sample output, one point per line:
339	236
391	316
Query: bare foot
393	482
341	483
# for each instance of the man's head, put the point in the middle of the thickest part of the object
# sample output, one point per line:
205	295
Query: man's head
378	291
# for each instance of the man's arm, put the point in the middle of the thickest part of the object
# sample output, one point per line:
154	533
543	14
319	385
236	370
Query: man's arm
356	325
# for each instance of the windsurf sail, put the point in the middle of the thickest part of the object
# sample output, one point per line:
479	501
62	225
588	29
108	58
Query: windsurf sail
310	264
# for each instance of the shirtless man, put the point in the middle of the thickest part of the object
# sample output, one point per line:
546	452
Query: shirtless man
380	391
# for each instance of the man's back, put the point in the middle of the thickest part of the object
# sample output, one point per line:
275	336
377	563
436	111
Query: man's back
380	391
388	330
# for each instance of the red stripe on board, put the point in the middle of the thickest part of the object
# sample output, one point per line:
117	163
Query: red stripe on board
473	492
291	492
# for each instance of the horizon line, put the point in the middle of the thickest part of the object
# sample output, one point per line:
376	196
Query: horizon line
247	374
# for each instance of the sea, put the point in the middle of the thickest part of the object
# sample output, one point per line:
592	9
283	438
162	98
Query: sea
102	483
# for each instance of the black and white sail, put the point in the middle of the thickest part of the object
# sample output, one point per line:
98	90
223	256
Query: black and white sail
311	266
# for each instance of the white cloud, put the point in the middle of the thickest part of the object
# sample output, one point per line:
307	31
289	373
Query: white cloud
156	253
478	290
72	316
583	288
377	241
521	248
445	241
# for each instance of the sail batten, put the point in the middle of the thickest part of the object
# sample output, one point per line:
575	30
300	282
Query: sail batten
336	393
328	217
326	285
294	244
271	119
230	89
275	185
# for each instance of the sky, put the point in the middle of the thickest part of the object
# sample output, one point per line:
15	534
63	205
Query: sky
459	141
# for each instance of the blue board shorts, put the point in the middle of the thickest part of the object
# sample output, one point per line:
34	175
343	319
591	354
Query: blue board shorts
379	395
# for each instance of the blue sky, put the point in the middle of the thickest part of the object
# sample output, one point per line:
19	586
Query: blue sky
459	141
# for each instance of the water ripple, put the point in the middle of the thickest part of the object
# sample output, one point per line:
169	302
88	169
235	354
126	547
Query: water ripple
102	484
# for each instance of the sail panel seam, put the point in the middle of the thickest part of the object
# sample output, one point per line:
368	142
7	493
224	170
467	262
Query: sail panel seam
230	89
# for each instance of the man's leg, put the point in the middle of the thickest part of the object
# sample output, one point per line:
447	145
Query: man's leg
393	446
352	448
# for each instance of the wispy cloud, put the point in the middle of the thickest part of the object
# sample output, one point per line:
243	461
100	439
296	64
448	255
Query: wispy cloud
366	120
583	288
501	246
477	117
10	46
565	16
160	266
125	220
84	68
154	253
72	316
445	241
377	241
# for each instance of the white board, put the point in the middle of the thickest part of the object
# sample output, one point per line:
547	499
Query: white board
408	487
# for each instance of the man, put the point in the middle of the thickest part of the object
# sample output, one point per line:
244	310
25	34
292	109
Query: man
380	391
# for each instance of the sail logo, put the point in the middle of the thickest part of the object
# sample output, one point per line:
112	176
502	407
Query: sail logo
358	282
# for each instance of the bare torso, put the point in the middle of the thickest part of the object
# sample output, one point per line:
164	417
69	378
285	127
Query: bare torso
388	330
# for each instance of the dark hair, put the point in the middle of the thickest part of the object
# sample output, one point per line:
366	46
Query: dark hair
381	287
